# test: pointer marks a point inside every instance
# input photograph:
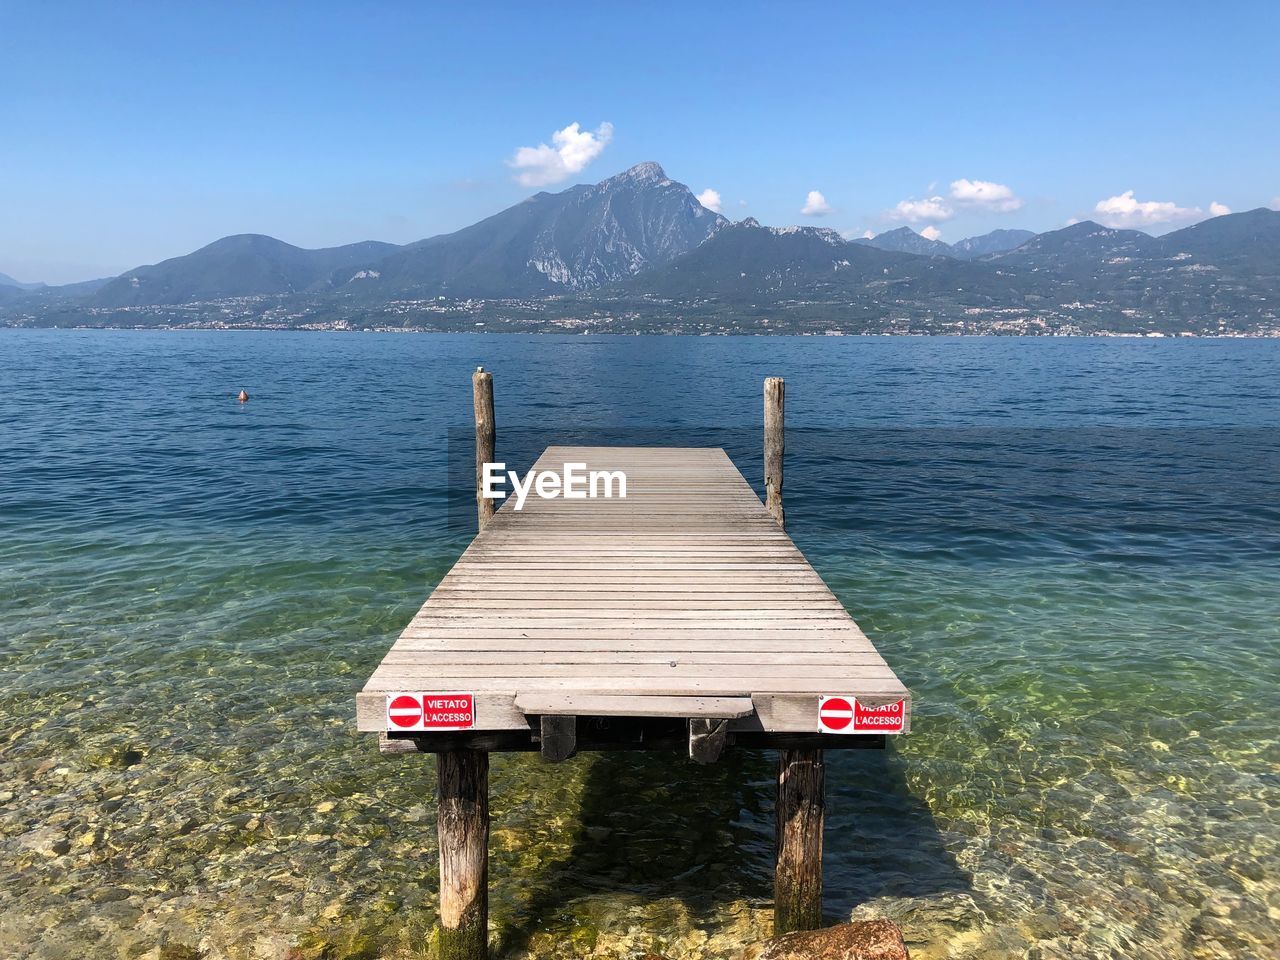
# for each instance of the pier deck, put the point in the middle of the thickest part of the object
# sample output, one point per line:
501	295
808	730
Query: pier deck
678	614
686	600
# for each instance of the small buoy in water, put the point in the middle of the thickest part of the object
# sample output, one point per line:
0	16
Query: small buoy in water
244	397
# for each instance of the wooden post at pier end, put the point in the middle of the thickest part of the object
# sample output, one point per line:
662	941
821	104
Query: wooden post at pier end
462	817
774	393
463	826
486	435
801	805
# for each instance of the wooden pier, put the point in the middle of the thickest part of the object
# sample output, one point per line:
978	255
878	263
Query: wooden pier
679	617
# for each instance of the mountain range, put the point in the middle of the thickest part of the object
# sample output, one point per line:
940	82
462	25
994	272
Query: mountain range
906	240
8	281
638	251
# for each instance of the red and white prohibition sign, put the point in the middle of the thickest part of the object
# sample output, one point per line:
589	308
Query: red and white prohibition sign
408	712
847	715
834	714
404	712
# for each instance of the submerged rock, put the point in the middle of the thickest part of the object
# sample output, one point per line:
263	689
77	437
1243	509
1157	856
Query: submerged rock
46	841
860	940
952	918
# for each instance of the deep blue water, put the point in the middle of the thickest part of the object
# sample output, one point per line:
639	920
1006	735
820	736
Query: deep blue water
1068	549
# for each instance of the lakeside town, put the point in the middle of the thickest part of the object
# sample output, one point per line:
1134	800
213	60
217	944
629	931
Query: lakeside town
707	318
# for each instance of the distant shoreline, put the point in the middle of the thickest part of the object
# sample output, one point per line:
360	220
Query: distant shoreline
976	335
637	253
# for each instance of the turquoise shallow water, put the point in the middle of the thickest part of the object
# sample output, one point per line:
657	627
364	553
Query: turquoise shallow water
1070	550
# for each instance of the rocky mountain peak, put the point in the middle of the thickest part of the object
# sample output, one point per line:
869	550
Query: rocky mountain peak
649	170
906	240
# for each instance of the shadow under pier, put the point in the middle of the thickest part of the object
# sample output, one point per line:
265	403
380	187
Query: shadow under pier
652	827
881	840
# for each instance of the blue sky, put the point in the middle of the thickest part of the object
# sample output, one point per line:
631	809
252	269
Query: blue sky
131	132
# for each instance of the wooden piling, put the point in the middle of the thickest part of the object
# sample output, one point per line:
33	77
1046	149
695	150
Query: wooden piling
774	394
797	881
559	737
463	823
486	438
707	738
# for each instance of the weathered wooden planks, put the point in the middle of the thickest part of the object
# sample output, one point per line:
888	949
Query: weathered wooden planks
685	592
616	706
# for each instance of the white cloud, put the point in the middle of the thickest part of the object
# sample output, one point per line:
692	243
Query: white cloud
931	232
1125	211
710	199
1071	221
985	194
868	235
815	205
1217	209
1275	203
573	149
916	211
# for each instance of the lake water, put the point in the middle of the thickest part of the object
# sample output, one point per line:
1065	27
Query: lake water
1068	549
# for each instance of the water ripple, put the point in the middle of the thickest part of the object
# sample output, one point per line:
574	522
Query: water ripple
1070	550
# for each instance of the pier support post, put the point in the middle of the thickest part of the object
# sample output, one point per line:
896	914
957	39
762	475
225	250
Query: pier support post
486	435
774	394
801	806
797	882
464	854
559	737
